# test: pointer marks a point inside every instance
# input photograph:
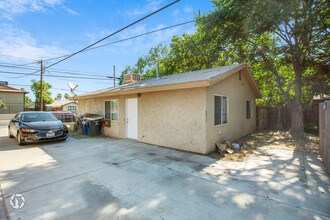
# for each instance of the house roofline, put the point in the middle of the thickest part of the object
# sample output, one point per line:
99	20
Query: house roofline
11	89
185	85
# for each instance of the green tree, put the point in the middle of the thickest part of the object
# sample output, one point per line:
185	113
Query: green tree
58	96
289	38
46	94
193	52
28	101
2	105
146	65
66	96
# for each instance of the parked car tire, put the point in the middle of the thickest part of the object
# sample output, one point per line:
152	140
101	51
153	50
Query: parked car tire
19	139
9	134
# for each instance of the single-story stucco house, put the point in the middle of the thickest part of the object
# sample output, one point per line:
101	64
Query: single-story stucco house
13	98
189	111
63	105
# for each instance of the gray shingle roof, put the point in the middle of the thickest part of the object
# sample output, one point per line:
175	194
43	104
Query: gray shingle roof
194	76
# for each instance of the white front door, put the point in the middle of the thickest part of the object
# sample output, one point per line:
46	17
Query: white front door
131	118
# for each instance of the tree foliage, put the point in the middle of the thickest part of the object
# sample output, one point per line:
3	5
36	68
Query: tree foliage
66	96
46	94
286	44
2	105
288	40
27	102
58	96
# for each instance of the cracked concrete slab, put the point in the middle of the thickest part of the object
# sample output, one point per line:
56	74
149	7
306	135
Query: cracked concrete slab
107	178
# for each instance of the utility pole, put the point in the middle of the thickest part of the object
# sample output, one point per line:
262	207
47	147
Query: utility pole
42	71
114	76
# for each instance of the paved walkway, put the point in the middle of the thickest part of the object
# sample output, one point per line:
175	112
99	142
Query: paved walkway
122	179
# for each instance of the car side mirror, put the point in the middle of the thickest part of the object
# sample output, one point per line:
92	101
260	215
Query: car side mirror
14	120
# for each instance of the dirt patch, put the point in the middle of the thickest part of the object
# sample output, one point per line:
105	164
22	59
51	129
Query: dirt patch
273	140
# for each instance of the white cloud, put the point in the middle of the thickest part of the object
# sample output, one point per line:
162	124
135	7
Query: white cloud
187	9
19	43
70	11
8	8
152	5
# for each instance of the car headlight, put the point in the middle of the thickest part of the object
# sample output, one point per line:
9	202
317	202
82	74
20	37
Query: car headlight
28	130
64	128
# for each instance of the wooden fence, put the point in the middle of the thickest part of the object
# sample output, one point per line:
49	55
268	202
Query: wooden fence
278	118
324	133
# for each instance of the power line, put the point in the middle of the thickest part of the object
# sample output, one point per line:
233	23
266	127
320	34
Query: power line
92	48
56	70
129	38
56	76
114	33
21	58
50	88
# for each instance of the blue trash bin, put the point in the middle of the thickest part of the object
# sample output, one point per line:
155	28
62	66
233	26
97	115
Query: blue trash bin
85	126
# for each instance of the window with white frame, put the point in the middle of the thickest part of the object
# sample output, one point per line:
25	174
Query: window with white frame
111	110
220	110
72	108
248	109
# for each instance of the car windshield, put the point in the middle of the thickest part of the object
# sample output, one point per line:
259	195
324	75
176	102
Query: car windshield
33	117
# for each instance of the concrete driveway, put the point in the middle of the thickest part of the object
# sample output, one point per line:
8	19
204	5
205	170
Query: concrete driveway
106	178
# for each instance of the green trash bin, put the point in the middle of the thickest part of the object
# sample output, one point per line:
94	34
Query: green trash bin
94	128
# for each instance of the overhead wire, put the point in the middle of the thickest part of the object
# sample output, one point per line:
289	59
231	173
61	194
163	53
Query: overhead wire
56	76
129	38
110	35
53	70
72	71
50	88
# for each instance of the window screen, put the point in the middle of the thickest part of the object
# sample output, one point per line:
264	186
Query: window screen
220	110
111	110
248	109
217	110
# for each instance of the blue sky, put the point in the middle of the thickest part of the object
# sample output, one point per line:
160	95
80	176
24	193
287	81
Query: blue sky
35	29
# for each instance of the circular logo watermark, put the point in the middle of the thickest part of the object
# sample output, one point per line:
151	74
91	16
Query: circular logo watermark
17	201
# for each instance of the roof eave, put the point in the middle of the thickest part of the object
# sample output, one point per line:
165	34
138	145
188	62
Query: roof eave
187	85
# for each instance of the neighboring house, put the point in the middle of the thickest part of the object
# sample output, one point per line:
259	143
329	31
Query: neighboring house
189	111
63	105
31	107
13	98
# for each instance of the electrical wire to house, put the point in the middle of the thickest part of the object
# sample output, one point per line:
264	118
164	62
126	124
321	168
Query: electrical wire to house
108	36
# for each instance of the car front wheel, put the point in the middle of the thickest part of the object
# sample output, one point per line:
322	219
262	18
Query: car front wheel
19	139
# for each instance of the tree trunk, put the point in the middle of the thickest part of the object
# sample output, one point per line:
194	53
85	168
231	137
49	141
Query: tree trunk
296	107
297	121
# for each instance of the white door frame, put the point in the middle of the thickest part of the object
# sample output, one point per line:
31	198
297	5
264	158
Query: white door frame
126	119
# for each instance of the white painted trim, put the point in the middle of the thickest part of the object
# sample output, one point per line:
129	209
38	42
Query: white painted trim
221	112
110	109
137	117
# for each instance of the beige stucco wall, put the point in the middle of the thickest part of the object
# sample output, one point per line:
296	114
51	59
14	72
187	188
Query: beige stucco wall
14	102
238	92
183	118
96	105
174	119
